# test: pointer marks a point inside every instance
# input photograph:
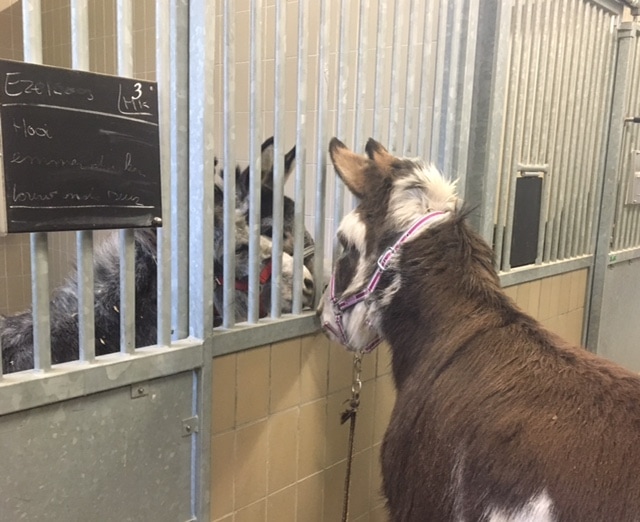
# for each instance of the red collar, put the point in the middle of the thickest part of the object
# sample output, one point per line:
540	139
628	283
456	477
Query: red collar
243	284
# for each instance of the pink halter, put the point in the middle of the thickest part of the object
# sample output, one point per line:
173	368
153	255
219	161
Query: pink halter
342	305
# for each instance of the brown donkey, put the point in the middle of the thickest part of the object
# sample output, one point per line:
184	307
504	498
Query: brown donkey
496	419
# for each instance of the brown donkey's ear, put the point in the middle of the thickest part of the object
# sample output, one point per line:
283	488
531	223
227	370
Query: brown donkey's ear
350	166
378	153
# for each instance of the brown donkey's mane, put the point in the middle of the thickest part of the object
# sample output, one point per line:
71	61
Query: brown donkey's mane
496	419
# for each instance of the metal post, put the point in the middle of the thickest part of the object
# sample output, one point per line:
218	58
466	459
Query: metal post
627	35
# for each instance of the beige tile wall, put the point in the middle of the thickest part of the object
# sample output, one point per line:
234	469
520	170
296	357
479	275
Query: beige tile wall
558	302
278	449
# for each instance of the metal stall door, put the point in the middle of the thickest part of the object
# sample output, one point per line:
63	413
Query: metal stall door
613	327
118	455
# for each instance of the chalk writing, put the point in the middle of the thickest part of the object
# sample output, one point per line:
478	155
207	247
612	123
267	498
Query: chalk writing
31	131
124	197
133	104
16	85
22	196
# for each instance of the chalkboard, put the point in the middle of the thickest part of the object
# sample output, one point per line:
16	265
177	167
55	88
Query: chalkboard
79	150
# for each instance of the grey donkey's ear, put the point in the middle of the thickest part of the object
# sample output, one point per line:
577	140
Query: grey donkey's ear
267	162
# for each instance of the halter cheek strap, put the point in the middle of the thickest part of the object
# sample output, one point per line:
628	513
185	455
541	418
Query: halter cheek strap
342	305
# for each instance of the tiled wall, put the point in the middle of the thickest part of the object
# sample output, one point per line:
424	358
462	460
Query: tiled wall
558	302
278	449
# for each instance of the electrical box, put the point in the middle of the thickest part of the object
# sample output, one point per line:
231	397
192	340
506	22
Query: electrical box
634	187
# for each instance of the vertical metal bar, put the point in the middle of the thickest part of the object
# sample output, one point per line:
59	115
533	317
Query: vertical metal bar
454	29
486	190
409	85
32	43
342	96
202	45
229	130
178	122
600	152
321	147
546	61
166	91
278	163
379	71
506	171
461	147
301	157
255	170
559	118
439	89
361	69
571	161
576	230
394	109
124	17
626	42
550	131
521	109
84	238
426	79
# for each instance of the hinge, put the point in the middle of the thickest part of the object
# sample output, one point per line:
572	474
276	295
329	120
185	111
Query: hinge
190	426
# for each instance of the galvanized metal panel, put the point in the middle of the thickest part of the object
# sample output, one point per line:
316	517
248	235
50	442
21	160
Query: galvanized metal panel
110	456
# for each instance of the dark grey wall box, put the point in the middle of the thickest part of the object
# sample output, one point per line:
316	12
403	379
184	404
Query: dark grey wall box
79	150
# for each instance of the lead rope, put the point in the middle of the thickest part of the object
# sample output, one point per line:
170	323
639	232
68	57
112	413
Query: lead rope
350	414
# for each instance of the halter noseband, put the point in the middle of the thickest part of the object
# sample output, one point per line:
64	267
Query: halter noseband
342	305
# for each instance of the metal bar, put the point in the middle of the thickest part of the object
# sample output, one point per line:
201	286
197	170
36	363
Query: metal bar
586	125
342	95
361	69
25	390
410	80
301	158
84	238
577	88
166	91
546	60
321	147
486	189
605	108
626	41
424	122
124	16
454	29
549	139
178	85
528	273
519	134
229	163
379	70
557	144
461	147
394	102
255	170
506	172
439	88
278	163
594	137
202	45
40	300
32	43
